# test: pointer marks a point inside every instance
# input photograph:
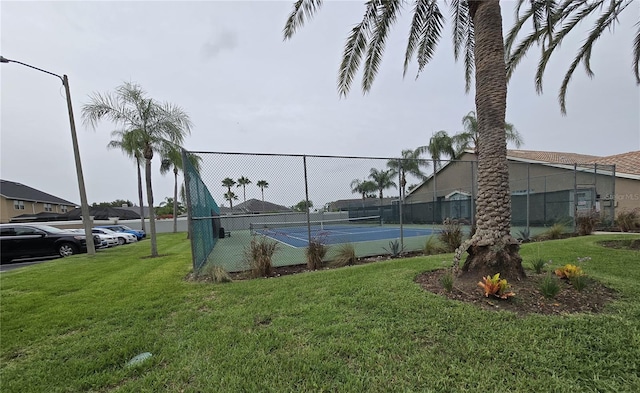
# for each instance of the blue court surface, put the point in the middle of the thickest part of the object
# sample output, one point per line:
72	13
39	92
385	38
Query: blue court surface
298	237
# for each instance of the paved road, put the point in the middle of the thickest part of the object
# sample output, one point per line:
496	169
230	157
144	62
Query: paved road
24	262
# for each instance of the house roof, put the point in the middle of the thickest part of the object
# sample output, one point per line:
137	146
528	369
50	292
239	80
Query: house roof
359	202
17	191
626	163
102	213
256	206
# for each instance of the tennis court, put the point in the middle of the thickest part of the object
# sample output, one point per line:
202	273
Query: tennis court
354	230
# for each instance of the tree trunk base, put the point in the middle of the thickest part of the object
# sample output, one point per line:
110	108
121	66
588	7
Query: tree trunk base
484	260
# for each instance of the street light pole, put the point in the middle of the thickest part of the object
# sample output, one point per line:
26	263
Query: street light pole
84	205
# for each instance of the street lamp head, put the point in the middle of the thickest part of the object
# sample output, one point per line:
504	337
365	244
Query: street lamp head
4	60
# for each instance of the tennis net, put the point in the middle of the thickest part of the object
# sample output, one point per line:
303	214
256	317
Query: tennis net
316	225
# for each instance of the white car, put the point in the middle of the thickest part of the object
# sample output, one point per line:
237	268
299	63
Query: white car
122	237
106	241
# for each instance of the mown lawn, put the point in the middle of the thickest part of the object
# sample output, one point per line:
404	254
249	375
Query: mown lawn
71	325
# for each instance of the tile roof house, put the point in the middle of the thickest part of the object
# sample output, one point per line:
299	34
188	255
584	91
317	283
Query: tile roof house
254	206
556	183
18	199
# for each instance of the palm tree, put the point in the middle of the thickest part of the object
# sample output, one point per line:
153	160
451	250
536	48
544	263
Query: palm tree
242	182
172	160
262	184
411	164
229	182
553	21
230	196
469	138
382	180
440	144
363	187
477	37
154	124
126	142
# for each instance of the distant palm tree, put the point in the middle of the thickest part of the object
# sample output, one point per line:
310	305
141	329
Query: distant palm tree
469	138
229	182
411	164
127	142
154	124
172	160
243	182
382	180
262	184
440	144
363	187
230	196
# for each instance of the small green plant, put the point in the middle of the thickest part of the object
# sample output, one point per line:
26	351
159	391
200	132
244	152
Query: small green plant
451	234
524	235
345	255
538	265
555	232
549	286
215	273
447	281
495	286
568	271
432	246
315	252
628	220
259	254
579	282
395	249
586	222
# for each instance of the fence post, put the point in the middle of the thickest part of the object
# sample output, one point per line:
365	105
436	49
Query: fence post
575	194
187	183
402	183
306	198
528	190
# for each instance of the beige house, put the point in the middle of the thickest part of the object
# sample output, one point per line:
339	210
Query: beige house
554	185
17	199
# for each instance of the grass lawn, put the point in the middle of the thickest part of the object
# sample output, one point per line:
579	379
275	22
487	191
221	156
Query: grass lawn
71	325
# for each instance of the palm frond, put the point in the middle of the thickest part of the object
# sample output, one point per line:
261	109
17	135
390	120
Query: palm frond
385	16
417	30
432	33
636	55
355	47
605	21
303	10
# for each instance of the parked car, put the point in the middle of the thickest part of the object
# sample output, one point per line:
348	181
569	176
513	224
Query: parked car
123	228
35	240
106	241
122	237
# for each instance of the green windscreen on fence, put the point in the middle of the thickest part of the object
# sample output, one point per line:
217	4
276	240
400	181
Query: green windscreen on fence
204	214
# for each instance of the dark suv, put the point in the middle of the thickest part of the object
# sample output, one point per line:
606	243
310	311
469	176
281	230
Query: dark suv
33	240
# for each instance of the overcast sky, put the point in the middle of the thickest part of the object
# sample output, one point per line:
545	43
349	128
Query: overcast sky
247	90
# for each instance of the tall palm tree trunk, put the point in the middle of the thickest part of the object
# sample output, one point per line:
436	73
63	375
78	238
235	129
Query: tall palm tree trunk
140	197
152	219
492	249
175	200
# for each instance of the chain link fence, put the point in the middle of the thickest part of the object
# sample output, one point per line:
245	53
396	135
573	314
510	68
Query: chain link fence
293	199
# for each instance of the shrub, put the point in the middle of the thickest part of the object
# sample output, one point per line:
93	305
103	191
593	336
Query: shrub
315	252
568	271
549	286
432	246
586	222
345	255
394	248
495	286
524	235
215	273
628	220
259	254
538	265
447	281
451	234
579	282
555	232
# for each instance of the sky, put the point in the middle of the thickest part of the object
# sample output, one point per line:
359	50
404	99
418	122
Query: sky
247	90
